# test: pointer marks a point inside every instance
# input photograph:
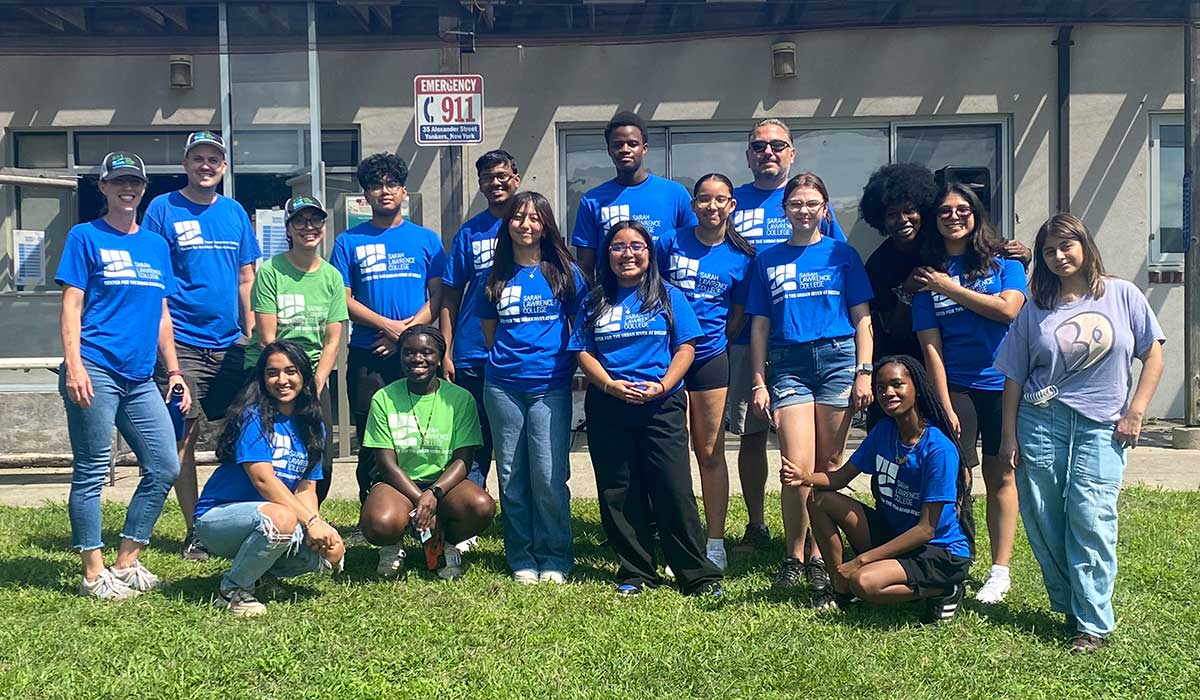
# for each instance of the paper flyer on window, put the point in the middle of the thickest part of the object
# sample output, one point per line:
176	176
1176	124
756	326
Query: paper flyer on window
29	258
270	226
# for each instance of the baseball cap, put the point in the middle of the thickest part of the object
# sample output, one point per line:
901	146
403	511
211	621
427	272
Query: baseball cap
299	203
200	138
120	163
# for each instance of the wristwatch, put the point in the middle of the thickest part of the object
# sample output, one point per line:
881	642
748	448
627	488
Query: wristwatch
864	368
438	493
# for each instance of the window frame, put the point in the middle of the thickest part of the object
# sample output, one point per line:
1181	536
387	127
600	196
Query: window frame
1156	259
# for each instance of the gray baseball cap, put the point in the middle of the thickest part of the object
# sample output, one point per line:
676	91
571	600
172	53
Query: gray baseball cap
202	138
120	163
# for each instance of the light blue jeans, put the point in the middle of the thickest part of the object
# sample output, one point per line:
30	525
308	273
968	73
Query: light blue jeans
139	413
238	531
531	439
1068	482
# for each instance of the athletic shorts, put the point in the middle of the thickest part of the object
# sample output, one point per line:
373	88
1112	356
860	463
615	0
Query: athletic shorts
819	371
740	418
707	374
979	414
214	377
928	569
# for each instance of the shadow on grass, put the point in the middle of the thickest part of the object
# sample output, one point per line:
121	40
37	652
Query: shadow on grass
37	572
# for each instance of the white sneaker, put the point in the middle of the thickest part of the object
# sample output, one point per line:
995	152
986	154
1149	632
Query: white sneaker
454	564
715	551
107	587
240	603
995	587
525	577
391	561
552	577
137	577
466	545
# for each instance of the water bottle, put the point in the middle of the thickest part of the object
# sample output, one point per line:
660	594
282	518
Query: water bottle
174	404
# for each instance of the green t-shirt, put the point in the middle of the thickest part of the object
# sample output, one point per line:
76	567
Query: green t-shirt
425	434
303	303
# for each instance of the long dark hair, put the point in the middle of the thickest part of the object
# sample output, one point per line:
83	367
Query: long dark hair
1044	285
556	262
650	290
983	242
255	400
736	240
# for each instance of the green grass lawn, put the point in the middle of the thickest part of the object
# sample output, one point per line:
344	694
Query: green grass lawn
485	637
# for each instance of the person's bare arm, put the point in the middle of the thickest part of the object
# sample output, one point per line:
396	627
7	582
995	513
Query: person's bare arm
166	351
908	540
245	284
1129	427
78	383
329	352
931	348
448	322
1002	307
735	321
266	324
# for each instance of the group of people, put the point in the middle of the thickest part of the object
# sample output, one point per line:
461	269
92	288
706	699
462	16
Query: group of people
689	314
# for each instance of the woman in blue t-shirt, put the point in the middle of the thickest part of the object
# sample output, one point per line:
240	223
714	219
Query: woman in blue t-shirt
259	508
116	280
970	294
532	295
710	263
810	344
635	338
911	545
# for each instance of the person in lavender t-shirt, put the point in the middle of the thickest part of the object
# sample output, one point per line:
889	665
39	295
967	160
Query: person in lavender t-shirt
1068	417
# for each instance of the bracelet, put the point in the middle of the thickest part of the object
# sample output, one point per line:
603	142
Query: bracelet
607	385
174	373
308	523
756	387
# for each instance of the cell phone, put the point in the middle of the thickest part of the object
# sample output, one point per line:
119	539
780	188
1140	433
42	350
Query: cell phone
422	534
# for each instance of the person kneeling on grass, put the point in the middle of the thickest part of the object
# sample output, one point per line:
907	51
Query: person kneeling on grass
911	546
424	431
260	506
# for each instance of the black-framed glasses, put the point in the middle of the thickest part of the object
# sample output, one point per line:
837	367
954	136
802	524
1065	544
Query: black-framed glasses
304	222
777	145
499	178
637	248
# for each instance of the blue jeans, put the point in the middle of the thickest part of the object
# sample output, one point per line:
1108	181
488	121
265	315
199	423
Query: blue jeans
531	433
1068	482
471	379
238	531
139	413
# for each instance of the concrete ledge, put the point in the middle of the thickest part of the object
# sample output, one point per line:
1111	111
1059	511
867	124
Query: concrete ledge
1185	438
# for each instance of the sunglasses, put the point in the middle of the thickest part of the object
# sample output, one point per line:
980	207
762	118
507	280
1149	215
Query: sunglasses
777	145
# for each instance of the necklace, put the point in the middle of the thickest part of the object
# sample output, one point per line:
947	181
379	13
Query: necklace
904	451
412	406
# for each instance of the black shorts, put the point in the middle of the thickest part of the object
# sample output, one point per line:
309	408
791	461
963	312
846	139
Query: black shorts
712	373
979	414
929	569
214	377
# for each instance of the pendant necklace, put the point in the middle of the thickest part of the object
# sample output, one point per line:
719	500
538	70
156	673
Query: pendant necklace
412	404
905	449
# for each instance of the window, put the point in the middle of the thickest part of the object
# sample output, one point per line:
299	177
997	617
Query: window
969	152
40	150
1167	236
155	147
585	164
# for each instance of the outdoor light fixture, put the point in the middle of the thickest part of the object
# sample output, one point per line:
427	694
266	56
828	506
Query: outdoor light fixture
181	71
783	59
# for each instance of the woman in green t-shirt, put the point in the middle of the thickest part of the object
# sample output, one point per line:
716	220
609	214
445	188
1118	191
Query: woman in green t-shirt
424	432
297	296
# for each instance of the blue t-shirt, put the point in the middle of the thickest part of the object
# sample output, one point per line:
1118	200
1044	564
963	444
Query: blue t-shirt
468	267
659	204
713	278
929	474
807	291
969	341
634	345
209	245
532	329
124	278
283	448
387	271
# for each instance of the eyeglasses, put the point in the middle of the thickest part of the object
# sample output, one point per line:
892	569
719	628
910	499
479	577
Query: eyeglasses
498	178
386	185
797	205
637	248
962	211
302	223
704	200
776	145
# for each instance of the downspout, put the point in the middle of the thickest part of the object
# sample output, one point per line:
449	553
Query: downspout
1063	123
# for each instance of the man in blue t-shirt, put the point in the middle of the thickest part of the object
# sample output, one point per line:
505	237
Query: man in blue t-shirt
213	252
464	283
635	194
392	270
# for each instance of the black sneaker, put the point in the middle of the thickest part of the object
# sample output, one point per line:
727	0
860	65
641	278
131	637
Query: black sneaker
194	549
815	575
711	591
1084	643
791	572
756	537
829	599
942	608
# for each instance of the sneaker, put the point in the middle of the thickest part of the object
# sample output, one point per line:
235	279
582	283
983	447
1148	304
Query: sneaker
194	549
1084	643
815	575
942	608
790	574
829	599
710	591
466	545
453	568
995	586
667	573
629	589
525	577
551	577
715	551
137	577
756	538
240	602
107	587
324	567
391	561
356	538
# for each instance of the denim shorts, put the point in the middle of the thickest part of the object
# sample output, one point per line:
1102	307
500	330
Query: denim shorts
819	371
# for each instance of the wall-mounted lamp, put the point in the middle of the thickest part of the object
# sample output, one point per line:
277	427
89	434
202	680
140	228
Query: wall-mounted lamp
181	71
783	59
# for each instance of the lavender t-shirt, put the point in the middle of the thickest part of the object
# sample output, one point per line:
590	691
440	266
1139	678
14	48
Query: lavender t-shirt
1081	353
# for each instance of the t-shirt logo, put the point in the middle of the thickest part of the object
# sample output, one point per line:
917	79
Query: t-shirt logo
615	214
942	303
188	233
782	279
371	257
749	222
899	494
482	252
684	271
510	302
1084	340
610	321
289	308
404	430
117	263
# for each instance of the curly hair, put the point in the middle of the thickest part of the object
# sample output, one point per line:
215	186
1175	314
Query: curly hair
374	169
891	185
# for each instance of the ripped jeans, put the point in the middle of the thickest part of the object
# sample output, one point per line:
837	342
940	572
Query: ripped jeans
238	531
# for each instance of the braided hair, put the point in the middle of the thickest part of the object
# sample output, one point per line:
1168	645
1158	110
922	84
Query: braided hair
439	342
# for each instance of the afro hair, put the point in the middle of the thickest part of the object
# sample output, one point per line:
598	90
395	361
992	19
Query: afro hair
901	183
